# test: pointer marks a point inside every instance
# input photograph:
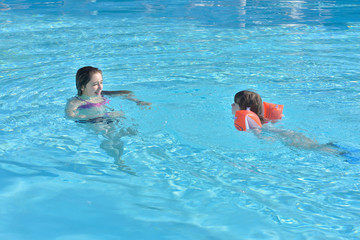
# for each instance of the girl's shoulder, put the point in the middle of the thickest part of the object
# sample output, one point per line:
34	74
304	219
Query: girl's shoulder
74	101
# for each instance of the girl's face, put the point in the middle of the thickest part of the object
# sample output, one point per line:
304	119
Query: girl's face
94	86
235	107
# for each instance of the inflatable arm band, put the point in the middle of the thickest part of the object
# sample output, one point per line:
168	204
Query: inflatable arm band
246	119
273	111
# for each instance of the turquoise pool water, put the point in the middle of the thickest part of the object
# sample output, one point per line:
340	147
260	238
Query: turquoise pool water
187	173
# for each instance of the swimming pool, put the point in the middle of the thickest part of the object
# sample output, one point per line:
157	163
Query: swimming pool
186	173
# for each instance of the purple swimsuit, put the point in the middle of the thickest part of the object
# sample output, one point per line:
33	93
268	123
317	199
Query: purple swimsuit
88	105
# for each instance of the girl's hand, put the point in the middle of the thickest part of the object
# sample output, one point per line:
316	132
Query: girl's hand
142	103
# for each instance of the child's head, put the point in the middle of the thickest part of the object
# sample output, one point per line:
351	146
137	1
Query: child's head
247	99
84	76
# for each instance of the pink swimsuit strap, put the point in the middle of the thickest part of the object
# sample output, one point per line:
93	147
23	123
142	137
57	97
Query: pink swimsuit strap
88	105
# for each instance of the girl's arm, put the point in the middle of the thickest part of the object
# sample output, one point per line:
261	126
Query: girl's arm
137	101
116	93
71	110
128	95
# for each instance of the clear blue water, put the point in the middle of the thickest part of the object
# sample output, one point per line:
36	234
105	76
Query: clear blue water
186	173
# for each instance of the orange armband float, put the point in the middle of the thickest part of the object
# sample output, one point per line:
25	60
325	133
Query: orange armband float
246	119
273	111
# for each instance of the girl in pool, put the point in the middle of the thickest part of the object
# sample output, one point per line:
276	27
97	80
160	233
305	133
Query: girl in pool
244	100
89	104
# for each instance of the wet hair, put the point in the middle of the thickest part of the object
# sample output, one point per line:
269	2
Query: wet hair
83	76
247	99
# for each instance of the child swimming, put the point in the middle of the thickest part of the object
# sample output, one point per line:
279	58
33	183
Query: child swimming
90	104
248	100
